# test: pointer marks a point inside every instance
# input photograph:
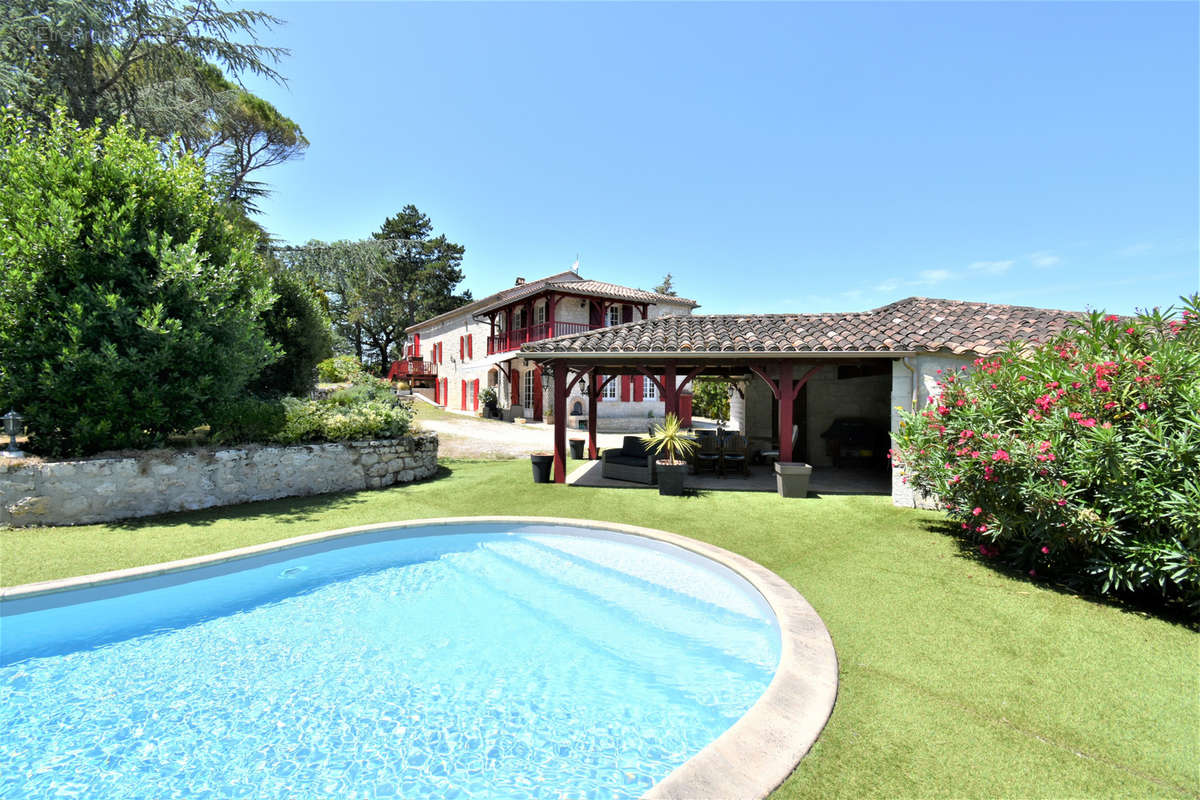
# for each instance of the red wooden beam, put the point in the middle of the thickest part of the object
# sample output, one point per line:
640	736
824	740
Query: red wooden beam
662	389
800	383
560	422
689	377
591	393
774	387
575	380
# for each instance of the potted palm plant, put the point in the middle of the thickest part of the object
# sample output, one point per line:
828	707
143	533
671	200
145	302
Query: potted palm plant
670	440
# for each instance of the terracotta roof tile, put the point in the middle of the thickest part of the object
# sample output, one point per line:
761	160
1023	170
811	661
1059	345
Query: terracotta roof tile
915	324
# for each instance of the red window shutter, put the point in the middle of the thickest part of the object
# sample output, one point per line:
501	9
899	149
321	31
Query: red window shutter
470	346
516	387
463	396
416	345
462	350
437	390
639	388
626	313
625	388
475	395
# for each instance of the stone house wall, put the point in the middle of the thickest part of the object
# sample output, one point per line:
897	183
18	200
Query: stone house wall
106	489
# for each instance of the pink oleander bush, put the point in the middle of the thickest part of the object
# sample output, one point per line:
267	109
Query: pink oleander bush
1076	460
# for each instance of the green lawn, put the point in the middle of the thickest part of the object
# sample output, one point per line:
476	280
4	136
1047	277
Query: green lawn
956	680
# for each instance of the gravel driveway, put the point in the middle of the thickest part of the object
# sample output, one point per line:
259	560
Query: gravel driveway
470	437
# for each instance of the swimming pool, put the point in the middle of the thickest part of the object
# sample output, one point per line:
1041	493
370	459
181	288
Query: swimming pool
493	659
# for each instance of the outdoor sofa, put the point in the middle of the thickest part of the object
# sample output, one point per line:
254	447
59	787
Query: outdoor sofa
632	461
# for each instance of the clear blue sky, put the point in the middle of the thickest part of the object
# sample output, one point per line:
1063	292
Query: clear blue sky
775	157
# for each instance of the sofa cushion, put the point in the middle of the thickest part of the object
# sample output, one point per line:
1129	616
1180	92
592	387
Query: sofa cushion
626	461
634	448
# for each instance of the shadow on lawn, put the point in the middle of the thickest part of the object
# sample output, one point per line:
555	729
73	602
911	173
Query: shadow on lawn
1144	605
289	510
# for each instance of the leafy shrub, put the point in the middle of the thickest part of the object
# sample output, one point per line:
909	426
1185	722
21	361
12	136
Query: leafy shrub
366	388
247	420
710	398
297	323
129	304
1078	459
340	369
322	421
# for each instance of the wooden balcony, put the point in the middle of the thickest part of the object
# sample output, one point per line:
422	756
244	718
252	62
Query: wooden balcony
512	340
411	369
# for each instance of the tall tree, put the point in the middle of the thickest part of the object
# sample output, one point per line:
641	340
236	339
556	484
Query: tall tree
100	57
666	287
378	287
162	65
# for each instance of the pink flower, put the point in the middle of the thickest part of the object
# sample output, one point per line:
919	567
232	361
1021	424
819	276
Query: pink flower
1061	482
1045	550
982	529
977	511
1000	455
1033	573
1062	502
1022	378
1129	330
1111	318
1088	423
1142	406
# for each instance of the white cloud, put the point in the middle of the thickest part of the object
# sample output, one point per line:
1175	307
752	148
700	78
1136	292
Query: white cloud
890	285
1135	249
931	276
1044	258
990	267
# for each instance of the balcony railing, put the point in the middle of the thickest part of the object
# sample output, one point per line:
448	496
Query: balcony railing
412	368
512	340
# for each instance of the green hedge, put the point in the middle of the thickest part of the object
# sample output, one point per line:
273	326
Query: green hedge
130	302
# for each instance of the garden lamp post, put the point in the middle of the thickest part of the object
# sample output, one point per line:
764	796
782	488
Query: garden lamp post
14	425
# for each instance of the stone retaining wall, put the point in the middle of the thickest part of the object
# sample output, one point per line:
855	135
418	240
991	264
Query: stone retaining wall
107	489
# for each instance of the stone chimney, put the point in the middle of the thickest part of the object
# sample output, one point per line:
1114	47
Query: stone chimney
520	282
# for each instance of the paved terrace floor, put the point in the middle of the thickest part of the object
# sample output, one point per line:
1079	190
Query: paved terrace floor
825	480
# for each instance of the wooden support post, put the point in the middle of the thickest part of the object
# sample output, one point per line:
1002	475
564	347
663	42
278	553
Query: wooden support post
551	304
560	421
672	391
592	393
786	396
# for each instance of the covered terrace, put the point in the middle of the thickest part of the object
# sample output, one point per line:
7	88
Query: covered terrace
896	351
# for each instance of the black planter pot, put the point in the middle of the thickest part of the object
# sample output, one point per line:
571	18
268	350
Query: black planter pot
670	479
542	464
577	448
489	410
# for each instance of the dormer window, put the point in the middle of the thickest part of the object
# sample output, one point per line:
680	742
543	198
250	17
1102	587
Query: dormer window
539	314
614	315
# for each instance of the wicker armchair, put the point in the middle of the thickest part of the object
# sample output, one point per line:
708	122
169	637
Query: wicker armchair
630	462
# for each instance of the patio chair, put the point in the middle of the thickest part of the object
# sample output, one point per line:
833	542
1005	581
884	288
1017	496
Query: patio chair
708	456
736	455
773	455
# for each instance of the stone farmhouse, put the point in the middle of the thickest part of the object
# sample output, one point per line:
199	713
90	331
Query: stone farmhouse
453	357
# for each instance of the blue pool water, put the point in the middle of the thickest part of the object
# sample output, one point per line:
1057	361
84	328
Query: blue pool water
473	661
